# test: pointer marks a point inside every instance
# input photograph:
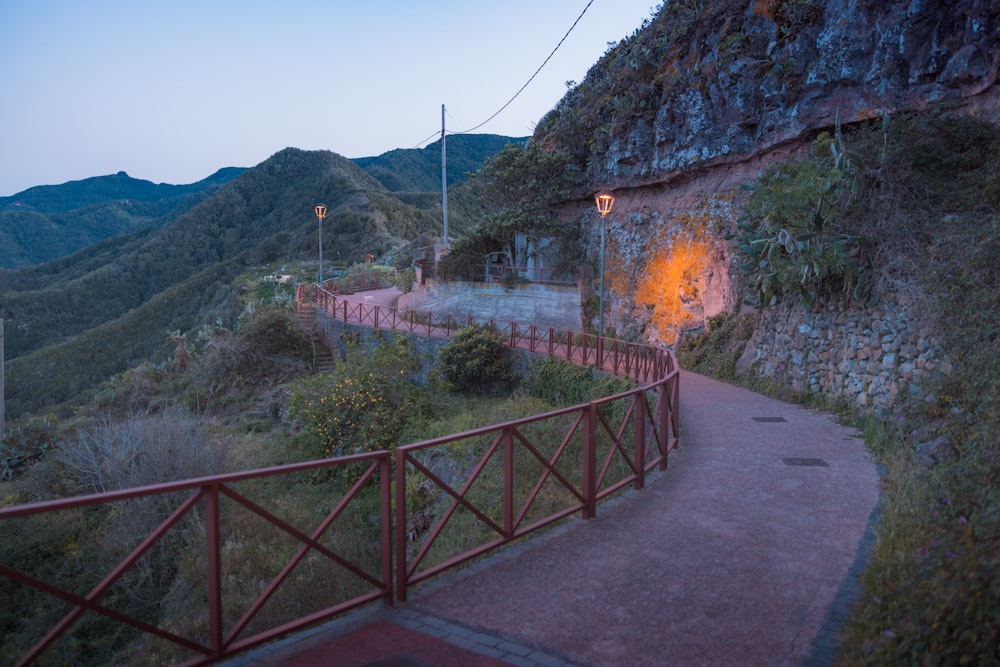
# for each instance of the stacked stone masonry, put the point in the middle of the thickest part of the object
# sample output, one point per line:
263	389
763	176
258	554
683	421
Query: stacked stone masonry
877	357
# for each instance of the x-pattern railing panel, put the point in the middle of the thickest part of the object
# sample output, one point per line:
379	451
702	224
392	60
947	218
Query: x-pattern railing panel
616	449
202	502
510	447
624	428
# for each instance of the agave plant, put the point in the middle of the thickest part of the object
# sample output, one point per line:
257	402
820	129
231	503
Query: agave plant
787	235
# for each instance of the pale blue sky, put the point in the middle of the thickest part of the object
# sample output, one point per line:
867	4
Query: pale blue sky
172	91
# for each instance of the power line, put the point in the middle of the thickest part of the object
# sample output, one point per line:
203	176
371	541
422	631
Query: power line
434	134
521	90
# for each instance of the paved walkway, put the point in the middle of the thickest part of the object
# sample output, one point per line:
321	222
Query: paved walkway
745	552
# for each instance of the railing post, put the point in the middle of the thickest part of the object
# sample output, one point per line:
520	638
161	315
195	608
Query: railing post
590	463
640	439
675	412
400	545
213	563
385	488
508	482
663	415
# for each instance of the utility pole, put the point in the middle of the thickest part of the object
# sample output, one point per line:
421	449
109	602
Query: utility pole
444	179
2	373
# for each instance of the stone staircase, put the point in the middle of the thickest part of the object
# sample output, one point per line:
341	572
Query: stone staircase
305	313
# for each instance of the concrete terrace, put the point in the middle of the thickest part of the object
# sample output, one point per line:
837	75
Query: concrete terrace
745	552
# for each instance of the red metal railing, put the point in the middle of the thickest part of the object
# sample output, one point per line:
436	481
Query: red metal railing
571	457
652	426
542	469
355	282
201	498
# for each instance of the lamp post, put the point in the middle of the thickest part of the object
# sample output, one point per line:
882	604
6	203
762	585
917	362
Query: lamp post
320	214
604	200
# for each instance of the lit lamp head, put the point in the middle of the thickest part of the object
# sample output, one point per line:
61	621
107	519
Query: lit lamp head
320	211
605	200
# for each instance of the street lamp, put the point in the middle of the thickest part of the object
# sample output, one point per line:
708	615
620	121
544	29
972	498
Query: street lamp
320	214
604	200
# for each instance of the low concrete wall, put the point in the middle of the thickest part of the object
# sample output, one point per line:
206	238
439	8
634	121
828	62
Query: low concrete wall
545	305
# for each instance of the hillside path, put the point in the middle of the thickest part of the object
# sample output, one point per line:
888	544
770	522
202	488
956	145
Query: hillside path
745	551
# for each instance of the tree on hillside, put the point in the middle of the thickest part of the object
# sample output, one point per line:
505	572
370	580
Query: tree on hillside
518	187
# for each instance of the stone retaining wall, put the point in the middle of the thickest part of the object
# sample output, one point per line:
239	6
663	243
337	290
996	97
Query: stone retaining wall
877	357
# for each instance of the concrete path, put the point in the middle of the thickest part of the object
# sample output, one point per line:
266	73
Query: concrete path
745	552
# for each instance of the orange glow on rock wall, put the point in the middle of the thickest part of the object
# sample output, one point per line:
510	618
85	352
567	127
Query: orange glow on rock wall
672	282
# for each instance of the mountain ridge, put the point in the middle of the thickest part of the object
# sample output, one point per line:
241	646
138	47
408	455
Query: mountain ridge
46	222
98	189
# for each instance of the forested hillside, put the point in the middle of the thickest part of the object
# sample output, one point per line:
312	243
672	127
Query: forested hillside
419	170
74	321
90	315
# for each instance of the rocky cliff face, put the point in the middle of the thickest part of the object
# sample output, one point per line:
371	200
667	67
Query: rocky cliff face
707	95
720	82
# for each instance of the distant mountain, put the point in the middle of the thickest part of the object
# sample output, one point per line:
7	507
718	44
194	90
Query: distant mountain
50	221
419	169
100	189
47	222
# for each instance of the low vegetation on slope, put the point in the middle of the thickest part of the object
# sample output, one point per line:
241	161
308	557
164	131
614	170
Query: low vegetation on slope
921	203
75	320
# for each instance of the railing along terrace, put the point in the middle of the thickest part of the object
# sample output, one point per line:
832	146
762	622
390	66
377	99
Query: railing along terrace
349	284
641	363
190	520
431	491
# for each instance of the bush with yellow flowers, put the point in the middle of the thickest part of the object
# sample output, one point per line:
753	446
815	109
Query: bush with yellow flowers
358	407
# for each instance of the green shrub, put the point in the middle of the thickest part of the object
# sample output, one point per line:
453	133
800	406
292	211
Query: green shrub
563	383
404	280
475	359
343	413
359	406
